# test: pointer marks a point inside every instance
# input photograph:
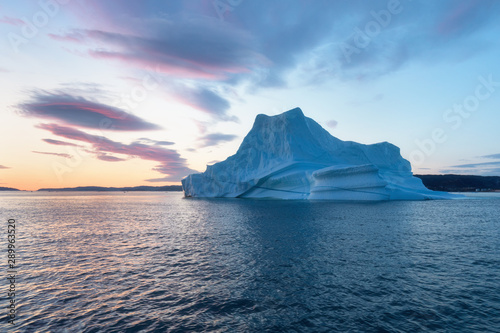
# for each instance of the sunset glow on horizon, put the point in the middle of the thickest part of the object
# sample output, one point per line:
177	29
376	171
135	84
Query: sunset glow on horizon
129	93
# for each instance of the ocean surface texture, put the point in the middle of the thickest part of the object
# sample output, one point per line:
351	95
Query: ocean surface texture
157	262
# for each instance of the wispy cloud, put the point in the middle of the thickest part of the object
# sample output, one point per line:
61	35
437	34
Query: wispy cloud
214	139
74	36
164	143
110	158
154	142
332	123
475	165
60	143
170	161
490	168
55	154
80	112
79	88
4	167
262	41
463	17
176	48
11	21
205	100
473	171
493	156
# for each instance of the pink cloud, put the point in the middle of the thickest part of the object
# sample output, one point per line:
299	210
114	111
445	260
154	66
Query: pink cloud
171	163
55	154
203	99
178	70
459	17
78	111
60	143
109	158
71	37
192	49
11	21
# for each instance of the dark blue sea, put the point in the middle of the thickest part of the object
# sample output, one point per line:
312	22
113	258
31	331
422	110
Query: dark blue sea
157	262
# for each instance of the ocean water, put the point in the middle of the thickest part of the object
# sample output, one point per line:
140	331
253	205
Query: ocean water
157	262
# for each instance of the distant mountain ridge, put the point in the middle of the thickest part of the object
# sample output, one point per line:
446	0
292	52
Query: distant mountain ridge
8	189
115	189
460	183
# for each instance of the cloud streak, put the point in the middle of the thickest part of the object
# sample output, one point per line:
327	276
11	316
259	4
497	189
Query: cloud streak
60	143
463	17
170	161
154	142
176	48
110	158
54	154
493	156
205	100
214	139
262	41
71	110
490	168
476	165
4	167
12	21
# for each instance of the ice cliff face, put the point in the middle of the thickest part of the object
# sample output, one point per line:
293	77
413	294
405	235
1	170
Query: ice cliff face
290	156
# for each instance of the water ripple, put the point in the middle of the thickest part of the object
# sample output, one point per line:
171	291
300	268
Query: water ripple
154	262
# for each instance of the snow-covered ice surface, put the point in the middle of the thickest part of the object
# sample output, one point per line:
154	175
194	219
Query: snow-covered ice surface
290	156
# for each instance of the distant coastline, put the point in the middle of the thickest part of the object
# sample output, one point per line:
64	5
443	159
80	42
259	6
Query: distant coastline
8	189
447	183
115	189
461	183
104	189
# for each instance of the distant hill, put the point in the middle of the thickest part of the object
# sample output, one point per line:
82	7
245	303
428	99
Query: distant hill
460	183
8	189
116	189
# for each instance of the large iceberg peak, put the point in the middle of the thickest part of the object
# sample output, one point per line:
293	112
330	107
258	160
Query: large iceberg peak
290	114
289	135
284	122
290	156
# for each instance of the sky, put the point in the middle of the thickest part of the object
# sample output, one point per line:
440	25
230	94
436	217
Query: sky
129	93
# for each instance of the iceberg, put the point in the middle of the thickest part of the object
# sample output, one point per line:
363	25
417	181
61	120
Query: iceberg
290	156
